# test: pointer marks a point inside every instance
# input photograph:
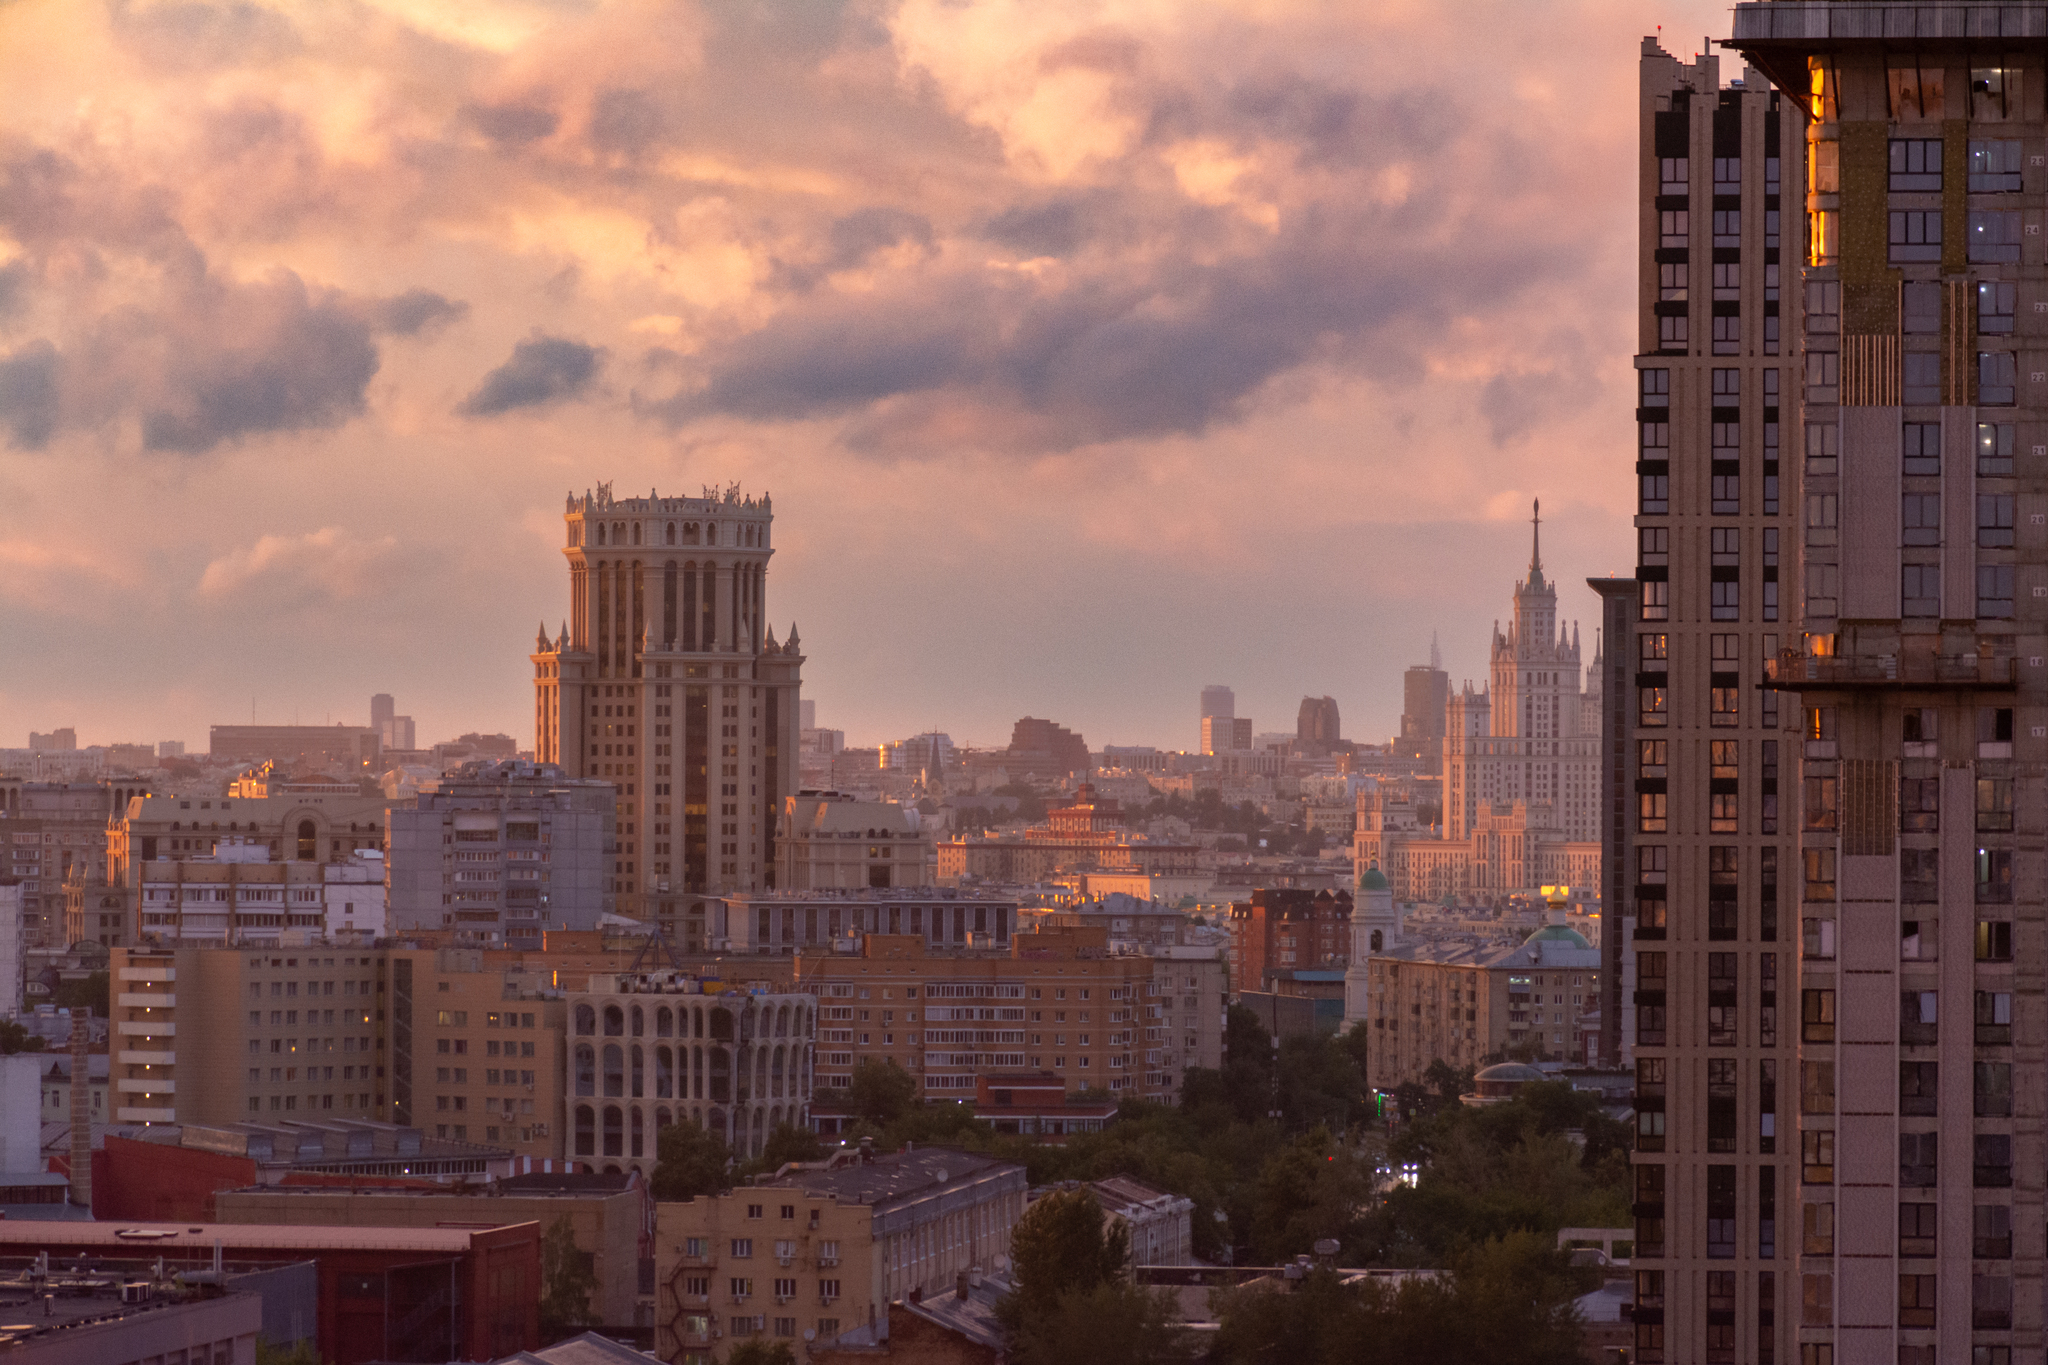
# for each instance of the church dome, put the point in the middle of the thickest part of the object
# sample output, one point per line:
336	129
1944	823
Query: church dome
1558	933
1372	879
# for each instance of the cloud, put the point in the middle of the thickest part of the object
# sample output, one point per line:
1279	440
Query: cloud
517	124
14	281
416	312
325	565
543	369
28	394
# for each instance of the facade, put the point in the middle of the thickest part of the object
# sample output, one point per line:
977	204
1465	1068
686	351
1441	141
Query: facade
829	841
51	832
1532	734
650	1049
1039	748
1317	728
824	1248
1512	846
1226	734
504	852
1715	1174
1160	1225
1058	1001
1217	701
101	1324
667	682
475	1050
1425	710
813	921
231	894
1918	679
307	827
1284	929
348	750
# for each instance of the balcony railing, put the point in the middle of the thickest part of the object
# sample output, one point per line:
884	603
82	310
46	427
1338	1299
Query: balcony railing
1798	672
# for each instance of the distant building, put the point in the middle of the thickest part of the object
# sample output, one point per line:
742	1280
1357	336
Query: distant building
785	922
1317	728
931	752
383	707
1511	846
1218	702
1226	734
170	748
1039	748
396	732
1284	930
1160	1225
827	840
59	740
50	831
1425	702
503	852
349	749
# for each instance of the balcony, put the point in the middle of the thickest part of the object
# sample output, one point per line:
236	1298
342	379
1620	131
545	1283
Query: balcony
1893	672
149	974
147	1058
130	1028
140	1001
133	1114
155	1085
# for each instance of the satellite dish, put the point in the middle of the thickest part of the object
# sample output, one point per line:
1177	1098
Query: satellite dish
810	1334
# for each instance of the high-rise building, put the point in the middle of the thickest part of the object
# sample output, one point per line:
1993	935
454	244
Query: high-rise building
1317	728
667	681
1218	702
1918	671
1532	734
1425	699
1226	734
383	706
1716	1073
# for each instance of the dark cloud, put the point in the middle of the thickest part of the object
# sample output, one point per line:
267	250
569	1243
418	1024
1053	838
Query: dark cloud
626	121
415	312
516	124
28	395
190	34
14	281
543	369
1050	229
850	240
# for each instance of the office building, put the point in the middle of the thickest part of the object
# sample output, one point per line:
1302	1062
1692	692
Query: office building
1317	728
1057	1001
1226	734
1425	702
345	750
667	682
1717	375
648	1049
1218	702
383	707
825	1247
503	852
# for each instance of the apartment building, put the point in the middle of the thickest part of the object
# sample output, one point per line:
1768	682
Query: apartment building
503	852
475	1049
824	1248
1919	675
53	833
1286	929
1058	1001
810	921
231	894
649	1049
1717	377
295	826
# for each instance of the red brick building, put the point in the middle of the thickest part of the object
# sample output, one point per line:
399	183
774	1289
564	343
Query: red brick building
1282	930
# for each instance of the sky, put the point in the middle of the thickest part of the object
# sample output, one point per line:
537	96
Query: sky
1090	352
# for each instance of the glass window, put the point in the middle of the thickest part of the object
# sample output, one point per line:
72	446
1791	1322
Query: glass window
1994	166
1916	163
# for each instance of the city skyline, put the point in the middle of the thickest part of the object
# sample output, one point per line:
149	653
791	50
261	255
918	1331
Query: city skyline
532	279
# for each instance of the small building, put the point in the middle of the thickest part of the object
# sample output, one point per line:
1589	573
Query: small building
831	841
1036	1104
1501	1082
1161	1225
101	1318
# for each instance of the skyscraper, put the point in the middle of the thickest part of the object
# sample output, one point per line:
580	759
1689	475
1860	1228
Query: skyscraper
1918	671
383	706
1317	727
1711	950
1217	701
667	681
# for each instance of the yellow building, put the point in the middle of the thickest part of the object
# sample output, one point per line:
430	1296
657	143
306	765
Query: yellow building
825	1247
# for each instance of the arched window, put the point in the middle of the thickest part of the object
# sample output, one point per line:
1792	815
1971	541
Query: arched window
639	1072
600	533
664	1074
586	1021
309	842
671	533
639	1147
614	1131
586	1131
1376	940
636	541
664	1023
614	1022
586	1070
614	1073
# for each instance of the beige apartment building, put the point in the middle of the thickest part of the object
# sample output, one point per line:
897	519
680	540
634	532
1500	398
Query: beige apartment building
306	827
824	1247
1713	949
1058	1001
829	841
475	1049
667	681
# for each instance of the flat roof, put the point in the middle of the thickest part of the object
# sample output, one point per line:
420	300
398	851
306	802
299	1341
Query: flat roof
893	1175
133	1238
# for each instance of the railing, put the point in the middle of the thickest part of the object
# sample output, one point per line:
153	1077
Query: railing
1797	671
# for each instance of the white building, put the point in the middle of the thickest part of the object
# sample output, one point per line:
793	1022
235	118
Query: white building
355	902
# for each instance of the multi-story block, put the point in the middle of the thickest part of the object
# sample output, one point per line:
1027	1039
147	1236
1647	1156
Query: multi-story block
1058	1001
231	894
475	1048
809	921
1918	671
649	1049
306	827
667	682
828	841
1717	379
825	1247
49	833
503	852
1282	929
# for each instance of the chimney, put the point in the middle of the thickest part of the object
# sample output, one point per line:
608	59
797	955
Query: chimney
81	1113
960	1285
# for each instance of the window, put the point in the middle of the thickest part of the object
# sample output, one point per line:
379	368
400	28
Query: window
1650	1099
1916	1299
1654	388
1720	1213
1915	235
1727	330
1823	442
1992	1161
1727	227
1820	873
1994	521
1994	591
1721	1008
1770	581
1994	235
1920	590
1673	331
1919	874
1721	1117
1817	1157
1920	518
1919	1157
1994	876
1992	1090
1823	376
1673	227
1994	1018
1990	1299
1922	384
1919	1019
1922	308
1919	1229
1920	448
1919	1088
1823	512
1996	304
1653	707
1818	1234
1655	596
1651	874
1997	378
1994	940
1821	803
1994	804
1817	938
1671	281
1816	1087
1994	448
1672	175
1816	1016
1995	166
1655	494
1651	812
1916	164
1823	306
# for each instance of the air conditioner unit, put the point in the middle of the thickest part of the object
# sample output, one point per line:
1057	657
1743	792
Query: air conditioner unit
783	1260
828	1260
783	1298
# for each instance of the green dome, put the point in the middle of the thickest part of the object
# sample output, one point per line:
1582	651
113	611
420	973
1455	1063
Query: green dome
1372	879
1558	933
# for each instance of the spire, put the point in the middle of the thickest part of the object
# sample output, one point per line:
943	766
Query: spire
1536	543
1436	658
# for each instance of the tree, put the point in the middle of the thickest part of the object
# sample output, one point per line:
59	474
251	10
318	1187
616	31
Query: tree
761	1351
1113	1323
690	1161
302	1352
1059	1246
789	1143
89	992
14	1038
568	1275
881	1091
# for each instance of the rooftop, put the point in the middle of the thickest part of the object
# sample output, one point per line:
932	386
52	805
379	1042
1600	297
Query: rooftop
852	1177
128	1238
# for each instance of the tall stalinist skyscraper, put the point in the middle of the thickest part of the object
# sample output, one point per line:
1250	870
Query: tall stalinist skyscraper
667	682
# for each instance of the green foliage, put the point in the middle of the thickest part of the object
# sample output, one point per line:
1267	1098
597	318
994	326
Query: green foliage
1113	1323
14	1038
761	1351
1059	1246
89	992
304	1352
788	1142
690	1161
568	1275
1311	1189
881	1092
1507	1302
